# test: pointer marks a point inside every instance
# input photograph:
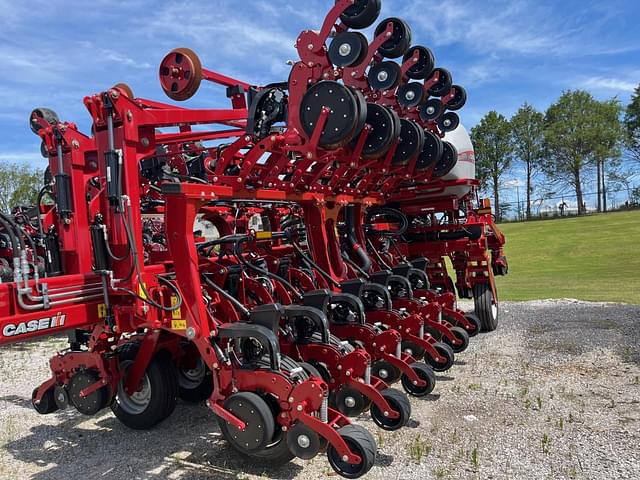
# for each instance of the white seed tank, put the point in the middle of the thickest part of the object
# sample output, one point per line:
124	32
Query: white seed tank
466	166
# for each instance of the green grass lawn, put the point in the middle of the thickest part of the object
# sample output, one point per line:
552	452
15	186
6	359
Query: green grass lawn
589	258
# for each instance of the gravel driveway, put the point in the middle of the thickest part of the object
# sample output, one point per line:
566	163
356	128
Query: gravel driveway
554	393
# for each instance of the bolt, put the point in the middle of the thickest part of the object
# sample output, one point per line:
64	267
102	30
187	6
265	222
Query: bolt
310	46
129	115
304	441
144	141
382	76
75	144
299	408
410	95
344	49
350	402
386	414
345	458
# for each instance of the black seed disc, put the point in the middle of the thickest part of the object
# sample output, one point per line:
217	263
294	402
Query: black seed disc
384	75
343	117
361	14
460	98
410	94
443	85
258	418
449	122
92	403
347	49
431	152
399	41
411	142
424	66
447	161
381	137
431	110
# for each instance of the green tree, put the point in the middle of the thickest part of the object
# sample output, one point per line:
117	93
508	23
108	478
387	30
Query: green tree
632	125
577	134
607	150
493	149
527	131
19	185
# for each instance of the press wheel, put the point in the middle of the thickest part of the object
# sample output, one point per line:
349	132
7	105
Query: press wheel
431	152
447	161
400	39
424	66
411	142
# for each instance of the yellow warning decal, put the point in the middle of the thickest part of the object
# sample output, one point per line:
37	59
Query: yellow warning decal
141	289
178	324
177	313
102	310
263	235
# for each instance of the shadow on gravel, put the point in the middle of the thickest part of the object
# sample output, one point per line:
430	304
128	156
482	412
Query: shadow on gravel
187	445
585	327
18	401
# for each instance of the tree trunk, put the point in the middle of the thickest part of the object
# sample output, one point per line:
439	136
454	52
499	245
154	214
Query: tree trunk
604	190
496	198
529	190
581	209
599	179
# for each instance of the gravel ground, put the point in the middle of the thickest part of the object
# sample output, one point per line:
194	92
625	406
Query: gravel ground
554	393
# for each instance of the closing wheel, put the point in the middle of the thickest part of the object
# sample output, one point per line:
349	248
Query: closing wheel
443	85
462	335
459	99
431	110
431	152
348	49
400	39
195	384
362	14
342	120
385	371
448	122
411	142
384	75
486	306
410	348
360	442
258	418
447	161
399	402
445	351
39	116
180	74
380	138
156	396
410	94
424	66
473	319
425	372
47	402
349	401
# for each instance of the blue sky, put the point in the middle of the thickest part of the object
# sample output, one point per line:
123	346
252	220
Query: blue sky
55	52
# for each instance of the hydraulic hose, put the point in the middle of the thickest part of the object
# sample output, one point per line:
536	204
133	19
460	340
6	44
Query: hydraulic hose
352	241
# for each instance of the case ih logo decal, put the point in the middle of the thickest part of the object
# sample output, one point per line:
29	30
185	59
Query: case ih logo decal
12	330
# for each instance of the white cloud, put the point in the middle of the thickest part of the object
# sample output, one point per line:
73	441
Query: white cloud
608	83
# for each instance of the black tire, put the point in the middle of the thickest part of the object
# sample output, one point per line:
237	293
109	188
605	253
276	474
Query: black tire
487	308
247	405
162	378
443	86
423	68
349	401
400	40
448	122
398	401
47	403
473	318
360	441
425	372
461	334
444	350
195	385
459	100
362	14
416	351
46	114
386	372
